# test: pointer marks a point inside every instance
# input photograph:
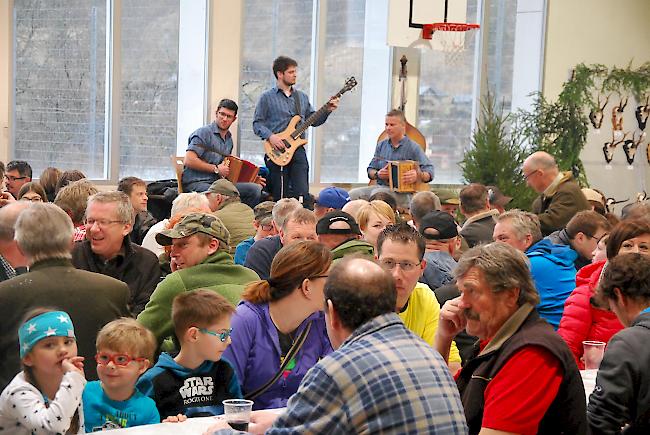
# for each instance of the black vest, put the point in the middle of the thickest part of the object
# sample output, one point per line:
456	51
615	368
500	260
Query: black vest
567	413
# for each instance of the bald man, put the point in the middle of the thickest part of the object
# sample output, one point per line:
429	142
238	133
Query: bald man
560	195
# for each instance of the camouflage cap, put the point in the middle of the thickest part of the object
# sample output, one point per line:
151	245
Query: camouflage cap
193	223
264	212
448	196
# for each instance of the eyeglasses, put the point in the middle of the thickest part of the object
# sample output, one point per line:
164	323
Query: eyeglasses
101	223
223	335
266	227
12	178
225	115
530	174
318	276
34	199
406	266
119	359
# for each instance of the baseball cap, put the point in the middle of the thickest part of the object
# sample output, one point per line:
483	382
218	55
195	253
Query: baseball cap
497	197
264	212
440	221
337	222
333	197
448	197
223	187
195	223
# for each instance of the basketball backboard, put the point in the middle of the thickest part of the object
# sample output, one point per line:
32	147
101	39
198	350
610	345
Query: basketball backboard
406	18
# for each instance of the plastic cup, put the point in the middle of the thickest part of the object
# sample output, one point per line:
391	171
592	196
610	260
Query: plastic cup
238	413
593	354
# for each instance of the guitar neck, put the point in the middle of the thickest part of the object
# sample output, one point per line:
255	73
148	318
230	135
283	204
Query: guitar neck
312	118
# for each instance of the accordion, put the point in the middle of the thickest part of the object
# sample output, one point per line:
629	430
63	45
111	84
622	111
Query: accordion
396	170
241	171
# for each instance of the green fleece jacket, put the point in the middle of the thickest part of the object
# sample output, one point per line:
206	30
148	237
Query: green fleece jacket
353	246
238	218
217	272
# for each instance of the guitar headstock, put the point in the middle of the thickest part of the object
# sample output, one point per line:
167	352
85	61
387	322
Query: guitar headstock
350	83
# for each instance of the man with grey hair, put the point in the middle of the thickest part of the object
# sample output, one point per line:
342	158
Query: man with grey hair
108	248
44	235
300	224
522	377
423	203
559	197
12	260
552	266
183	202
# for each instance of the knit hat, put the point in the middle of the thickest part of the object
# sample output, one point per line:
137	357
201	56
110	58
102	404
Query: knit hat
195	223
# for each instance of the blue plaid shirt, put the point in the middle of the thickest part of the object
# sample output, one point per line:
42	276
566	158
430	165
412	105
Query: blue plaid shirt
407	150
210	147
274	110
383	379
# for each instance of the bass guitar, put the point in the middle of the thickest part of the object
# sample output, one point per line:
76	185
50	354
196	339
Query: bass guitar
291	136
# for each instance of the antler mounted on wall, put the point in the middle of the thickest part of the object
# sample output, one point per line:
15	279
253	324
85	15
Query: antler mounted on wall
630	146
642	112
610	147
596	115
617	119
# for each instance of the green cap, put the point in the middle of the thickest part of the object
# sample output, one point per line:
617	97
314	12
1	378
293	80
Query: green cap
223	187
448	196
195	223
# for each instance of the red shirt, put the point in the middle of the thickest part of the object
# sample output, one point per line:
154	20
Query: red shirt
520	394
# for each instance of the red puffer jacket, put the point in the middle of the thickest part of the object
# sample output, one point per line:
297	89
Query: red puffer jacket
582	321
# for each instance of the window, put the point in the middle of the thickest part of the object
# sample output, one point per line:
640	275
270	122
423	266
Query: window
502	15
60	93
271	28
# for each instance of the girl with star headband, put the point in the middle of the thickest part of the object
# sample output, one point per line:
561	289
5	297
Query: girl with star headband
45	397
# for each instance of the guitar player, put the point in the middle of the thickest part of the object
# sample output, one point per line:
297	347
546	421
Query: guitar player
273	112
396	147
206	150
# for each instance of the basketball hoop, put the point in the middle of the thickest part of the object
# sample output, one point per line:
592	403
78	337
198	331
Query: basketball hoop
451	37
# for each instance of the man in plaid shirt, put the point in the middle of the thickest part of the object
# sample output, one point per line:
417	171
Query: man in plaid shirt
381	379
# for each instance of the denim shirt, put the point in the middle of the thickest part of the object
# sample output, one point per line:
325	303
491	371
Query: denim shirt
274	110
211	147
407	150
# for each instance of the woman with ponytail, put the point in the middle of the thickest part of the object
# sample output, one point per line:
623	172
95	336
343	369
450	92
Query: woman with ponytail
278	320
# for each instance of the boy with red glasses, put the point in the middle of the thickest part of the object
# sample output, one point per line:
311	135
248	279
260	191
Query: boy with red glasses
125	350
195	381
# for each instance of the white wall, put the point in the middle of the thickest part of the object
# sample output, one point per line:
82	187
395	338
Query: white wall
610	33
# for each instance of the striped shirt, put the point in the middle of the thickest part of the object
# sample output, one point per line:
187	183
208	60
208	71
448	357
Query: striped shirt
383	379
407	150
274	110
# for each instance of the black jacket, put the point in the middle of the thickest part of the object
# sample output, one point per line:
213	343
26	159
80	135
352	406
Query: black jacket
137	267
622	392
91	300
260	255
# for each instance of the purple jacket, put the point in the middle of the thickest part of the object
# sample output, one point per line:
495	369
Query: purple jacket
255	353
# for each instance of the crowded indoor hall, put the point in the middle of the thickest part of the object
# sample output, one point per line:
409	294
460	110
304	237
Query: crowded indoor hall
324	217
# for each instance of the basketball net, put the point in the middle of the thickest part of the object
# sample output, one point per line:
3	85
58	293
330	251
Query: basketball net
450	36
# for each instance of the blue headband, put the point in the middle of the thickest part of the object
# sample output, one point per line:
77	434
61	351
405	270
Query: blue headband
50	324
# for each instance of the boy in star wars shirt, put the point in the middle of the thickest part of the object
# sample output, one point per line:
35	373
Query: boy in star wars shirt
197	380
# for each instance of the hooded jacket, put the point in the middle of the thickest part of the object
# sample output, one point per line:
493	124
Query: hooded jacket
194	393
255	353
217	272
561	237
621	394
581	320
555	277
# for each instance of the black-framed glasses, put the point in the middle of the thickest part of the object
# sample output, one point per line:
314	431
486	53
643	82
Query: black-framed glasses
318	276
12	178
390	264
226	115
223	335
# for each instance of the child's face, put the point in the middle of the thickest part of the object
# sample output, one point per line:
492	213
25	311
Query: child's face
116	377
46	357
210	346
